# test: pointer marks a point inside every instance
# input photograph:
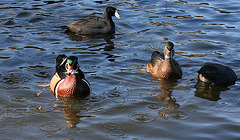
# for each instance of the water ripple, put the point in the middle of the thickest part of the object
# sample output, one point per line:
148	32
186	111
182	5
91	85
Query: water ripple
13	80
114	129
176	115
15	113
52	127
142	117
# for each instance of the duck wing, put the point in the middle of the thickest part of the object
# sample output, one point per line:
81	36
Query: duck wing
157	54
157	59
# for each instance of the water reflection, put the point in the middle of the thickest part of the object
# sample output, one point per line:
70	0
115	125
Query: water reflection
210	92
166	87
78	37
171	107
72	109
108	44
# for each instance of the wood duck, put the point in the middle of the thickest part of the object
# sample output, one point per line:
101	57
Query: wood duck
69	80
163	65
217	74
95	25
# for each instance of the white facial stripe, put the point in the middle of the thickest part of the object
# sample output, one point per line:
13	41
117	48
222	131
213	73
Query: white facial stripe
56	94
63	61
117	15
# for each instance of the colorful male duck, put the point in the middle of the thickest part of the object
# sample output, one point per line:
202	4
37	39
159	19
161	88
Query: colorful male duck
69	80
163	65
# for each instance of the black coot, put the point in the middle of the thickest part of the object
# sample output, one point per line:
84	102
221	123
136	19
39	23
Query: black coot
217	74
95	25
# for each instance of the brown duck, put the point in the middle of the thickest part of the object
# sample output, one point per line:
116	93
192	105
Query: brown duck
163	65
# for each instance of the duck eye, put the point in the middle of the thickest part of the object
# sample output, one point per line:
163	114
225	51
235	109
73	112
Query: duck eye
75	66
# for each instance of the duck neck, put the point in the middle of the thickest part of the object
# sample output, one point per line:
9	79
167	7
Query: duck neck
168	64
168	60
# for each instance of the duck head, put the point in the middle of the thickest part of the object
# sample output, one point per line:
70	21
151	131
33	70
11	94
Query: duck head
71	65
169	50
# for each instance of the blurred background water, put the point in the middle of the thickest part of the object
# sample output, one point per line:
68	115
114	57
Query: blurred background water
126	102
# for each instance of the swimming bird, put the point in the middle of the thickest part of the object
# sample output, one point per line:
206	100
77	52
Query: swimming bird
69	80
163	65
217	74
95	25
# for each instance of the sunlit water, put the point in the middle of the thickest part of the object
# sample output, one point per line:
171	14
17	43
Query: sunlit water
126	102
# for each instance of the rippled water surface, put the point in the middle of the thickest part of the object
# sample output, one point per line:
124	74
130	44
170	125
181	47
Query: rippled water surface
126	102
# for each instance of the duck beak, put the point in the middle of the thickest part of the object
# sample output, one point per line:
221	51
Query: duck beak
70	69
117	15
168	54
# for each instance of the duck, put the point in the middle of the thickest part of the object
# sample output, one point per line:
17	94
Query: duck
163	65
68	79
95	25
216	74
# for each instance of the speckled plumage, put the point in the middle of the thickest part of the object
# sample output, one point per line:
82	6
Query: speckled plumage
163	65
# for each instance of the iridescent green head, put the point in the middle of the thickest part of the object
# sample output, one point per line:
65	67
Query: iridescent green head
72	62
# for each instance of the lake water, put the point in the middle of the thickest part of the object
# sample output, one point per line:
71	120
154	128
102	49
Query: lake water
125	102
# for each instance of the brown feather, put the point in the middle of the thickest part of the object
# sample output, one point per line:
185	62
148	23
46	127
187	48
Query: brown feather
161	67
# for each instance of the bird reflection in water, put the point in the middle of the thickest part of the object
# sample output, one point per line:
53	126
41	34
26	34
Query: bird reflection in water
209	91
212	79
71	109
93	48
169	103
79	37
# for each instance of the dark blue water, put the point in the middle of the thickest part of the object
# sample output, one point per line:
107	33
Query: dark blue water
126	102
